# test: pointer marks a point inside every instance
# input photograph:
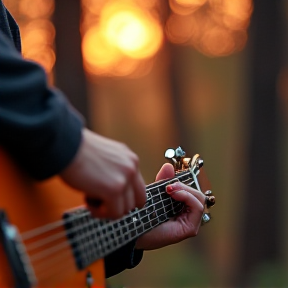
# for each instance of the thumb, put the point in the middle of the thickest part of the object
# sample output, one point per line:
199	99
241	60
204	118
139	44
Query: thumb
166	171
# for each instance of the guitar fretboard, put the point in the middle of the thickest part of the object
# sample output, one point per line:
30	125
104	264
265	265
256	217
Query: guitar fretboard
92	239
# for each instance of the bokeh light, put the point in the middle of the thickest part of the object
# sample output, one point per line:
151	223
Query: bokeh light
185	7
37	30
118	37
123	37
36	8
214	27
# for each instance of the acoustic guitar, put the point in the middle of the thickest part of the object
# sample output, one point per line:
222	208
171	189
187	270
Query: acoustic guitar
49	239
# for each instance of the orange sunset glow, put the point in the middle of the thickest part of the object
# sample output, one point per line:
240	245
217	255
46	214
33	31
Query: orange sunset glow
123	37
37	30
214	27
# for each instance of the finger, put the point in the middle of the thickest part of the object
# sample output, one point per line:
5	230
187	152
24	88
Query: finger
178	186
106	209
129	199
166	171
189	199
193	213
139	189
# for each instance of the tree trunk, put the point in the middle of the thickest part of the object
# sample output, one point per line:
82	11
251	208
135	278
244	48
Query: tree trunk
262	210
70	76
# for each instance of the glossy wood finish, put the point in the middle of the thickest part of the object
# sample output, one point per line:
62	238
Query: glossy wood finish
30	205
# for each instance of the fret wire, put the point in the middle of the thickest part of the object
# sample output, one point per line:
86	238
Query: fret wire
145	230
39	256
161	182
50	226
86	214
136	233
83	241
102	253
149	219
69	265
76	229
82	238
153	222
93	238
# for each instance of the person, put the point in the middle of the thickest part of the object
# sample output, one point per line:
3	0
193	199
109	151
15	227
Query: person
46	136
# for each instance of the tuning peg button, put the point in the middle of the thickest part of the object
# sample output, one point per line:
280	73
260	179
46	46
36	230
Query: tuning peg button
170	153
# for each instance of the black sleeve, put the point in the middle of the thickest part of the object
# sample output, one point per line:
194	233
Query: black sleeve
38	127
124	258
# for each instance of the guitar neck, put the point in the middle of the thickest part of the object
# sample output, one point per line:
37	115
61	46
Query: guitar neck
92	239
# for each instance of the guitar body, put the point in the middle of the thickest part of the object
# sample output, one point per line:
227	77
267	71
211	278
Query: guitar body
48	237
28	205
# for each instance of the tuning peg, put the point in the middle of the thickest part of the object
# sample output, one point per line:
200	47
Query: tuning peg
210	198
175	157
179	153
170	153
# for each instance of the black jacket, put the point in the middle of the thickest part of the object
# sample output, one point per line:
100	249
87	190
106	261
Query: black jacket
38	126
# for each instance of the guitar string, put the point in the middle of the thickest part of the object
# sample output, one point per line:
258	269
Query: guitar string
54	225
50	226
72	265
55	260
65	243
87	244
109	242
38	244
54	272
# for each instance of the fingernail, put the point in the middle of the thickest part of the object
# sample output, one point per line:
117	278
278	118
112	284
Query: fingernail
169	188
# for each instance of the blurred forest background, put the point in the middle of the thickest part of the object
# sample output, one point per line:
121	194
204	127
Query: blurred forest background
208	75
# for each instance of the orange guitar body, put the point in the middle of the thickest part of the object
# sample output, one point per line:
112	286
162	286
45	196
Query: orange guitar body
29	205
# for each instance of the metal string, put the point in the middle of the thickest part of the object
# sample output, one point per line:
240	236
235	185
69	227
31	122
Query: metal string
59	246
87	224
87	245
46	228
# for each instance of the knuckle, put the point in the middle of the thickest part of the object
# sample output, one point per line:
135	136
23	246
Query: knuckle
135	159
131	169
120	186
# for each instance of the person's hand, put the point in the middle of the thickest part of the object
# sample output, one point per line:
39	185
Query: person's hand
184	225
107	172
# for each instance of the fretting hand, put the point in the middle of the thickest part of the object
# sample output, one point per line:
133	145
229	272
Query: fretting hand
181	227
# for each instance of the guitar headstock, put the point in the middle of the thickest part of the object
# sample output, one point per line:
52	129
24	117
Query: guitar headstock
177	157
